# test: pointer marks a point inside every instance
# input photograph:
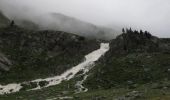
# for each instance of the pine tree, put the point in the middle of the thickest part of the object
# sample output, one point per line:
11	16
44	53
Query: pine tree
141	32
130	30
136	32
127	30
123	30
12	23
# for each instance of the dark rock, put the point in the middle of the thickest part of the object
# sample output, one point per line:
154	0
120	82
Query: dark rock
27	86
5	63
43	83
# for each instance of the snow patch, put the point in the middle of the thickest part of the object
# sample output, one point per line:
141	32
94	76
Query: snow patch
10	88
69	74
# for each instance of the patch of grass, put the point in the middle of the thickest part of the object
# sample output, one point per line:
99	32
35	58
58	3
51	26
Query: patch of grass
136	68
149	92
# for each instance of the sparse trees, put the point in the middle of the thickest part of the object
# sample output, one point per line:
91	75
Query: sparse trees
12	23
127	30
147	34
136	32
141	32
130	30
123	30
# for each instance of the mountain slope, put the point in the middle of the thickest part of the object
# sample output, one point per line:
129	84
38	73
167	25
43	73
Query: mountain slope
76	26
84	66
135	68
134	58
4	21
38	54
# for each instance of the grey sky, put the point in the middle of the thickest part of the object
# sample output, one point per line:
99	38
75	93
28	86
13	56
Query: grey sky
151	15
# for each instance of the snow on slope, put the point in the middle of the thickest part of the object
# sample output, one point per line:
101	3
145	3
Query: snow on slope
69	74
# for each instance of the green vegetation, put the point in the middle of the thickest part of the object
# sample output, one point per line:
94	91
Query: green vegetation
130	70
150	91
40	54
134	58
136	67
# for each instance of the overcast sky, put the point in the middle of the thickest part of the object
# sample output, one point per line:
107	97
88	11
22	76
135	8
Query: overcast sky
151	15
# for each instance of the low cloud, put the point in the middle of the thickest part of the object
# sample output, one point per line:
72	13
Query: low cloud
151	15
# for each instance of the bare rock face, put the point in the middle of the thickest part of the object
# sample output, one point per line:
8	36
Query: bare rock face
5	63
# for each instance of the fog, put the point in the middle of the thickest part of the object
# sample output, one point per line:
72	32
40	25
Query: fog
150	15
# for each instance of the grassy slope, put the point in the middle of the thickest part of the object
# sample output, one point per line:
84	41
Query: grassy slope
148	91
143	72
134	58
39	54
131	69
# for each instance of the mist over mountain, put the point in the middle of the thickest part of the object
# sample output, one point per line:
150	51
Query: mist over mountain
152	15
57	21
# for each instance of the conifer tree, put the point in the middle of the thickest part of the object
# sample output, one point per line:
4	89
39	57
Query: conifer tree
141	32
12	23
123	30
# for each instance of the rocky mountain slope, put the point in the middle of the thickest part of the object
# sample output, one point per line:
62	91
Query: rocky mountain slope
135	67
71	73
38	54
134	58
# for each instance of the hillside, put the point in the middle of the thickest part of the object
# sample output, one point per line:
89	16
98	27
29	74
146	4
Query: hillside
3	20
56	65
38	54
86	29
134	58
136	67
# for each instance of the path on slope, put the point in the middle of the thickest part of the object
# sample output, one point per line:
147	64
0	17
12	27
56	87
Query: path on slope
69	74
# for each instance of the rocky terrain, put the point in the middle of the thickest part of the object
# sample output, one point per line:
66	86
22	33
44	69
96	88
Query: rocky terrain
35	54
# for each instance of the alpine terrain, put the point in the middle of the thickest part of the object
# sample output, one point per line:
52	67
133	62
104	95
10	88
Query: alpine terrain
54	61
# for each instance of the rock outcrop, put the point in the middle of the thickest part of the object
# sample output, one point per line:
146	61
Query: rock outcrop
5	63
